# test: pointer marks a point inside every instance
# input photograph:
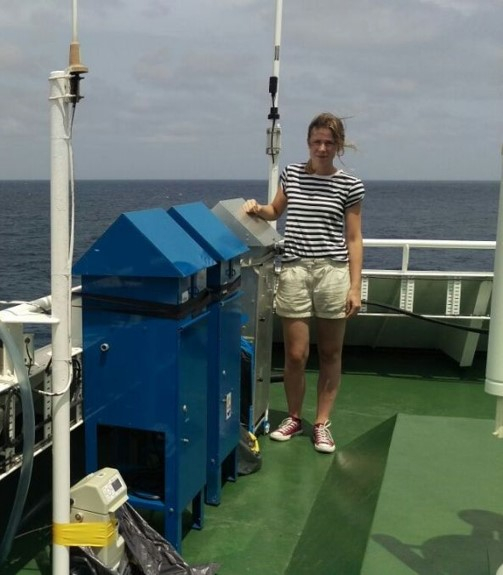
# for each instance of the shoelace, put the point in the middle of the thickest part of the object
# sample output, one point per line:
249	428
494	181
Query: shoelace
323	434
288	424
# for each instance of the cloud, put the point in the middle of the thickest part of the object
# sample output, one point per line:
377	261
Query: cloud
11	57
177	87
465	7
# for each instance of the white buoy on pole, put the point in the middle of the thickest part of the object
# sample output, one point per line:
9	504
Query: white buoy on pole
273	147
494	366
61	302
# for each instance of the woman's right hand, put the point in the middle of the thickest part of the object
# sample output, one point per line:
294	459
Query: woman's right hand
251	207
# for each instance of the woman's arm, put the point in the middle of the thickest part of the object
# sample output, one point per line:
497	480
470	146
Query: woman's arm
270	211
354	242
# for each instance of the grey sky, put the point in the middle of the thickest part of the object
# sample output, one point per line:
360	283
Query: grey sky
179	88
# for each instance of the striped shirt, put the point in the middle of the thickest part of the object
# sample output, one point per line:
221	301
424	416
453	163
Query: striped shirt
316	207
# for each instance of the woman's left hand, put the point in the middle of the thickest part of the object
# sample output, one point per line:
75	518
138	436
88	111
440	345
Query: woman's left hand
353	303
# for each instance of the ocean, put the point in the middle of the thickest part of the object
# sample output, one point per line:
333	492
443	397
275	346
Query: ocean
392	209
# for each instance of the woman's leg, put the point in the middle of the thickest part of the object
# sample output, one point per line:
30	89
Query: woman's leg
330	337
296	342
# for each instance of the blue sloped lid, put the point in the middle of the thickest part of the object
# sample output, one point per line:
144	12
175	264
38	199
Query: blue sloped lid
147	243
208	230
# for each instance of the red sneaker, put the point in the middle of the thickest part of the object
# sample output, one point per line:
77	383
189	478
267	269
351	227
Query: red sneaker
322	438
287	429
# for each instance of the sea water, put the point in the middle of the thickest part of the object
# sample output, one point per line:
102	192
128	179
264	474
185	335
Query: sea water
392	209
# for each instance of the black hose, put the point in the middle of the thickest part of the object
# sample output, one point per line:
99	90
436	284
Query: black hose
277	377
428	319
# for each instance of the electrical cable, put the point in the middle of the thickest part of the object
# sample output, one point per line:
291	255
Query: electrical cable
278	377
63	391
424	318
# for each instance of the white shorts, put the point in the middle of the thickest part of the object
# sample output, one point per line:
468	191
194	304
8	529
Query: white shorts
315	287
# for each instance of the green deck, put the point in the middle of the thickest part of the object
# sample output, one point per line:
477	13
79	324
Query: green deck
412	488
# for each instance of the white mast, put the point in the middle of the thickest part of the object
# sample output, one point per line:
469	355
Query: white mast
274	132
494	367
64	90
60	289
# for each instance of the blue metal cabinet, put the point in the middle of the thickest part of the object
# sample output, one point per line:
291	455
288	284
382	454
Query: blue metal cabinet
224	360
145	362
224	370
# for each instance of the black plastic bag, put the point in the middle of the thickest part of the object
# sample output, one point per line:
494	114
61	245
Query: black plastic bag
83	561
147	553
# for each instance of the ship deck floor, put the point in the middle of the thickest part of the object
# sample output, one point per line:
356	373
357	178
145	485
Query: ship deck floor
414	486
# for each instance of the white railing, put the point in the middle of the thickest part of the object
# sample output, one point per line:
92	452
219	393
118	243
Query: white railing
407	245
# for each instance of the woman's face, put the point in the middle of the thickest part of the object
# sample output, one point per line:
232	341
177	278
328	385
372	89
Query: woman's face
322	147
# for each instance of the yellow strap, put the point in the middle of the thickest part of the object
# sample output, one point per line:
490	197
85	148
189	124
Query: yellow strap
84	534
254	444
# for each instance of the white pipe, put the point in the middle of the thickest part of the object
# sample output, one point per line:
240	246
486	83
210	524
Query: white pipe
61	302
274	135
494	366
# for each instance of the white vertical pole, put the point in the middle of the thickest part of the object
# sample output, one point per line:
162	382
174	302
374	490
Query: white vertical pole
274	134
494	367
277	36
61	293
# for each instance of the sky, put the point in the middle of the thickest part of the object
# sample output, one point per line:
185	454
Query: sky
178	89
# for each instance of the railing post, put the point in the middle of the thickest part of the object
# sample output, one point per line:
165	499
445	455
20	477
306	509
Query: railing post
405	257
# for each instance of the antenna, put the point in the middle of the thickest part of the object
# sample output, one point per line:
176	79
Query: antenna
75	65
273	147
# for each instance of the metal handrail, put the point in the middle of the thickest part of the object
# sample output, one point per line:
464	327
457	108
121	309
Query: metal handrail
407	244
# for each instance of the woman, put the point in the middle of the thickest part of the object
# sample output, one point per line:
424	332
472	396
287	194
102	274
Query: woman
321	270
